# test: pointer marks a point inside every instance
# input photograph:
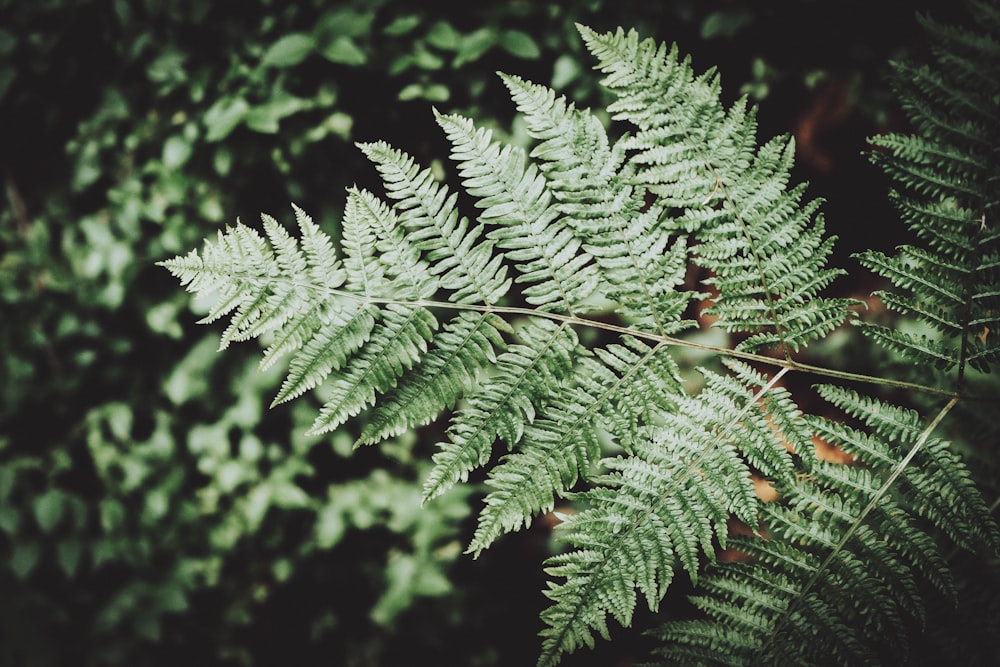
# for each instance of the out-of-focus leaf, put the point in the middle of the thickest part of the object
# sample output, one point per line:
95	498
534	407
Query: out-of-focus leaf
565	71
474	45
443	36
289	51
68	554
176	151
24	558
402	25
725	23
520	44
345	22
10	520
434	93
49	509
344	51
223	117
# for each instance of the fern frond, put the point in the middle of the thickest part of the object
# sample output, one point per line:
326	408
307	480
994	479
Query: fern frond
463	263
937	482
559	274
766	249
669	499
858	544
947	176
561	445
519	386
642	262
416	318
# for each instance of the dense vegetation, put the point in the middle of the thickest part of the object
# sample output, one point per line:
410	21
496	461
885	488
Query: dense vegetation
151	509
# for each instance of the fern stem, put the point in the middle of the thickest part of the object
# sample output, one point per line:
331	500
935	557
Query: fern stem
789	364
855	526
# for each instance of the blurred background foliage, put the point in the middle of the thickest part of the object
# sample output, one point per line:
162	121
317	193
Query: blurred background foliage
152	510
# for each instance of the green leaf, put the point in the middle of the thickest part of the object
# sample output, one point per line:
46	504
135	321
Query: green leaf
10	519
565	71
289	51
402	25
474	45
434	93
176	151
49	509
520	44
223	117
345	22
68	553
443	36
344	51
24	558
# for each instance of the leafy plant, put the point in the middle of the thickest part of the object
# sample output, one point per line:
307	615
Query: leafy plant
549	322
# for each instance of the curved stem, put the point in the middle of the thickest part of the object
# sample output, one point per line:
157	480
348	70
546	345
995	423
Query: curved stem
790	364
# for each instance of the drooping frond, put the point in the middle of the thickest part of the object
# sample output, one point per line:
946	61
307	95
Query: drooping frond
852	549
663	505
765	249
625	385
521	382
947	177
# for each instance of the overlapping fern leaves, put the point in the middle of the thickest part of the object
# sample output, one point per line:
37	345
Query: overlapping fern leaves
429	311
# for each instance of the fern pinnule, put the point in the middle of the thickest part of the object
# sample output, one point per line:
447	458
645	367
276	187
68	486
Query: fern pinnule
515	198
462	261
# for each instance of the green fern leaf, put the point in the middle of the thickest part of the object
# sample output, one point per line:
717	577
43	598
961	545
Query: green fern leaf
599	237
561	276
462	262
601	205
946	176
392	349
465	345
520	385
559	447
766	250
668	501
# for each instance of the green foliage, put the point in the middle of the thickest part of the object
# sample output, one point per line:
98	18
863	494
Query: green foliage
849	560
946	175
